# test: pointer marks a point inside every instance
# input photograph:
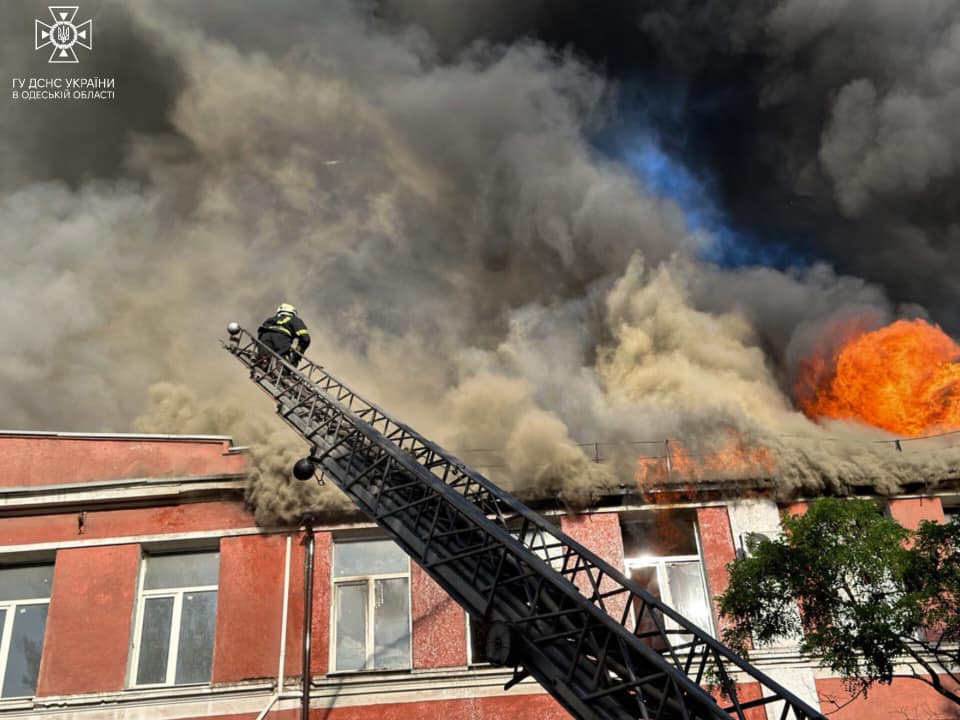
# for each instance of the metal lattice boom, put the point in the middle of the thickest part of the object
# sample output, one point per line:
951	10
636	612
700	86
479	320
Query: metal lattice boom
601	645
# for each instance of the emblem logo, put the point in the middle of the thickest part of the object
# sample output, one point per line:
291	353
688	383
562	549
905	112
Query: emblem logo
63	34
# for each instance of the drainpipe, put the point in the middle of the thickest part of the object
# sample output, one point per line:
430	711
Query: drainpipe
308	541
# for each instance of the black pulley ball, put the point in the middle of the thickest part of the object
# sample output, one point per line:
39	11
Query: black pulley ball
500	644
303	469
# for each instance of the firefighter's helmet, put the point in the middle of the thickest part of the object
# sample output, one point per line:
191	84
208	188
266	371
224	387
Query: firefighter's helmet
286	308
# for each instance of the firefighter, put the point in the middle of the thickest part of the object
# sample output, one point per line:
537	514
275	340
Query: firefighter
279	332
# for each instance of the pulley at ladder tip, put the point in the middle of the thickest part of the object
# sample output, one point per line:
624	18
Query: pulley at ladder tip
233	328
304	469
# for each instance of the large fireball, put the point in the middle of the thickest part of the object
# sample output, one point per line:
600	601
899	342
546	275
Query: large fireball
903	378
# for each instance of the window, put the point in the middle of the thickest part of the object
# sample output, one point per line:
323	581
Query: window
24	599
542	544
476	642
173	642
371	606
662	555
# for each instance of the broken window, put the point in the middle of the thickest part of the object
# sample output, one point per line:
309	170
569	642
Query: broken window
662	555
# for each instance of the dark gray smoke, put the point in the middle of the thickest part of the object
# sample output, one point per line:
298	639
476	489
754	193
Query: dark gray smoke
824	130
430	190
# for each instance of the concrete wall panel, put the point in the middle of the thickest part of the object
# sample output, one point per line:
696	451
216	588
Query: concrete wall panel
439	624
909	512
903	699
320	647
506	707
88	631
716	539
51	460
64	527
249	606
600	533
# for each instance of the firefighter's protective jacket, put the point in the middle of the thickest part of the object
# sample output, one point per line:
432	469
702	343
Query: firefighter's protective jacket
289	325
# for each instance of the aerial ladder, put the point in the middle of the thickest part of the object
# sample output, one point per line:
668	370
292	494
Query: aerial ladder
602	646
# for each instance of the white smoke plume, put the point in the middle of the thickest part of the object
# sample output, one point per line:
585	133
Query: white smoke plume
462	253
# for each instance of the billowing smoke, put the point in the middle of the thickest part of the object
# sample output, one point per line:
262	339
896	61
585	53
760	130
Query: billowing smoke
824	130
272	496
443	196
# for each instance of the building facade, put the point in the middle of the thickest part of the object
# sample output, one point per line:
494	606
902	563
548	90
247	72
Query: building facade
134	584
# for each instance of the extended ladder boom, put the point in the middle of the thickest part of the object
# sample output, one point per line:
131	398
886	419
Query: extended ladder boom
593	639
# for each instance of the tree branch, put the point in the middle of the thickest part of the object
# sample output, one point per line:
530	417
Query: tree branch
935	682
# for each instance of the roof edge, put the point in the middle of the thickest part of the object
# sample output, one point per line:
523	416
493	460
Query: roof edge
119	482
116	436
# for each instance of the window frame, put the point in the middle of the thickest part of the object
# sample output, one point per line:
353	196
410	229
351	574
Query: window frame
471	660
175	618
370	581
6	631
660	563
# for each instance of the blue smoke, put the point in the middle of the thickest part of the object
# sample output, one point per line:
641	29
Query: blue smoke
634	143
727	245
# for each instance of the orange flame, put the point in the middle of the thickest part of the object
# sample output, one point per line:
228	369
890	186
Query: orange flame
903	378
733	458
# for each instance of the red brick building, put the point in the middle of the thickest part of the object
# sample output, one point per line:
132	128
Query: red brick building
134	584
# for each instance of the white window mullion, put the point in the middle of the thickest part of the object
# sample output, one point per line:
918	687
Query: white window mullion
466	626
410	616
362	578
174	638
704	582
186	589
696	539
138	626
663	579
7	631
135	645
332	631
371	607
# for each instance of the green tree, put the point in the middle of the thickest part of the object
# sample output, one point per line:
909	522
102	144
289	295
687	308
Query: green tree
862	593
